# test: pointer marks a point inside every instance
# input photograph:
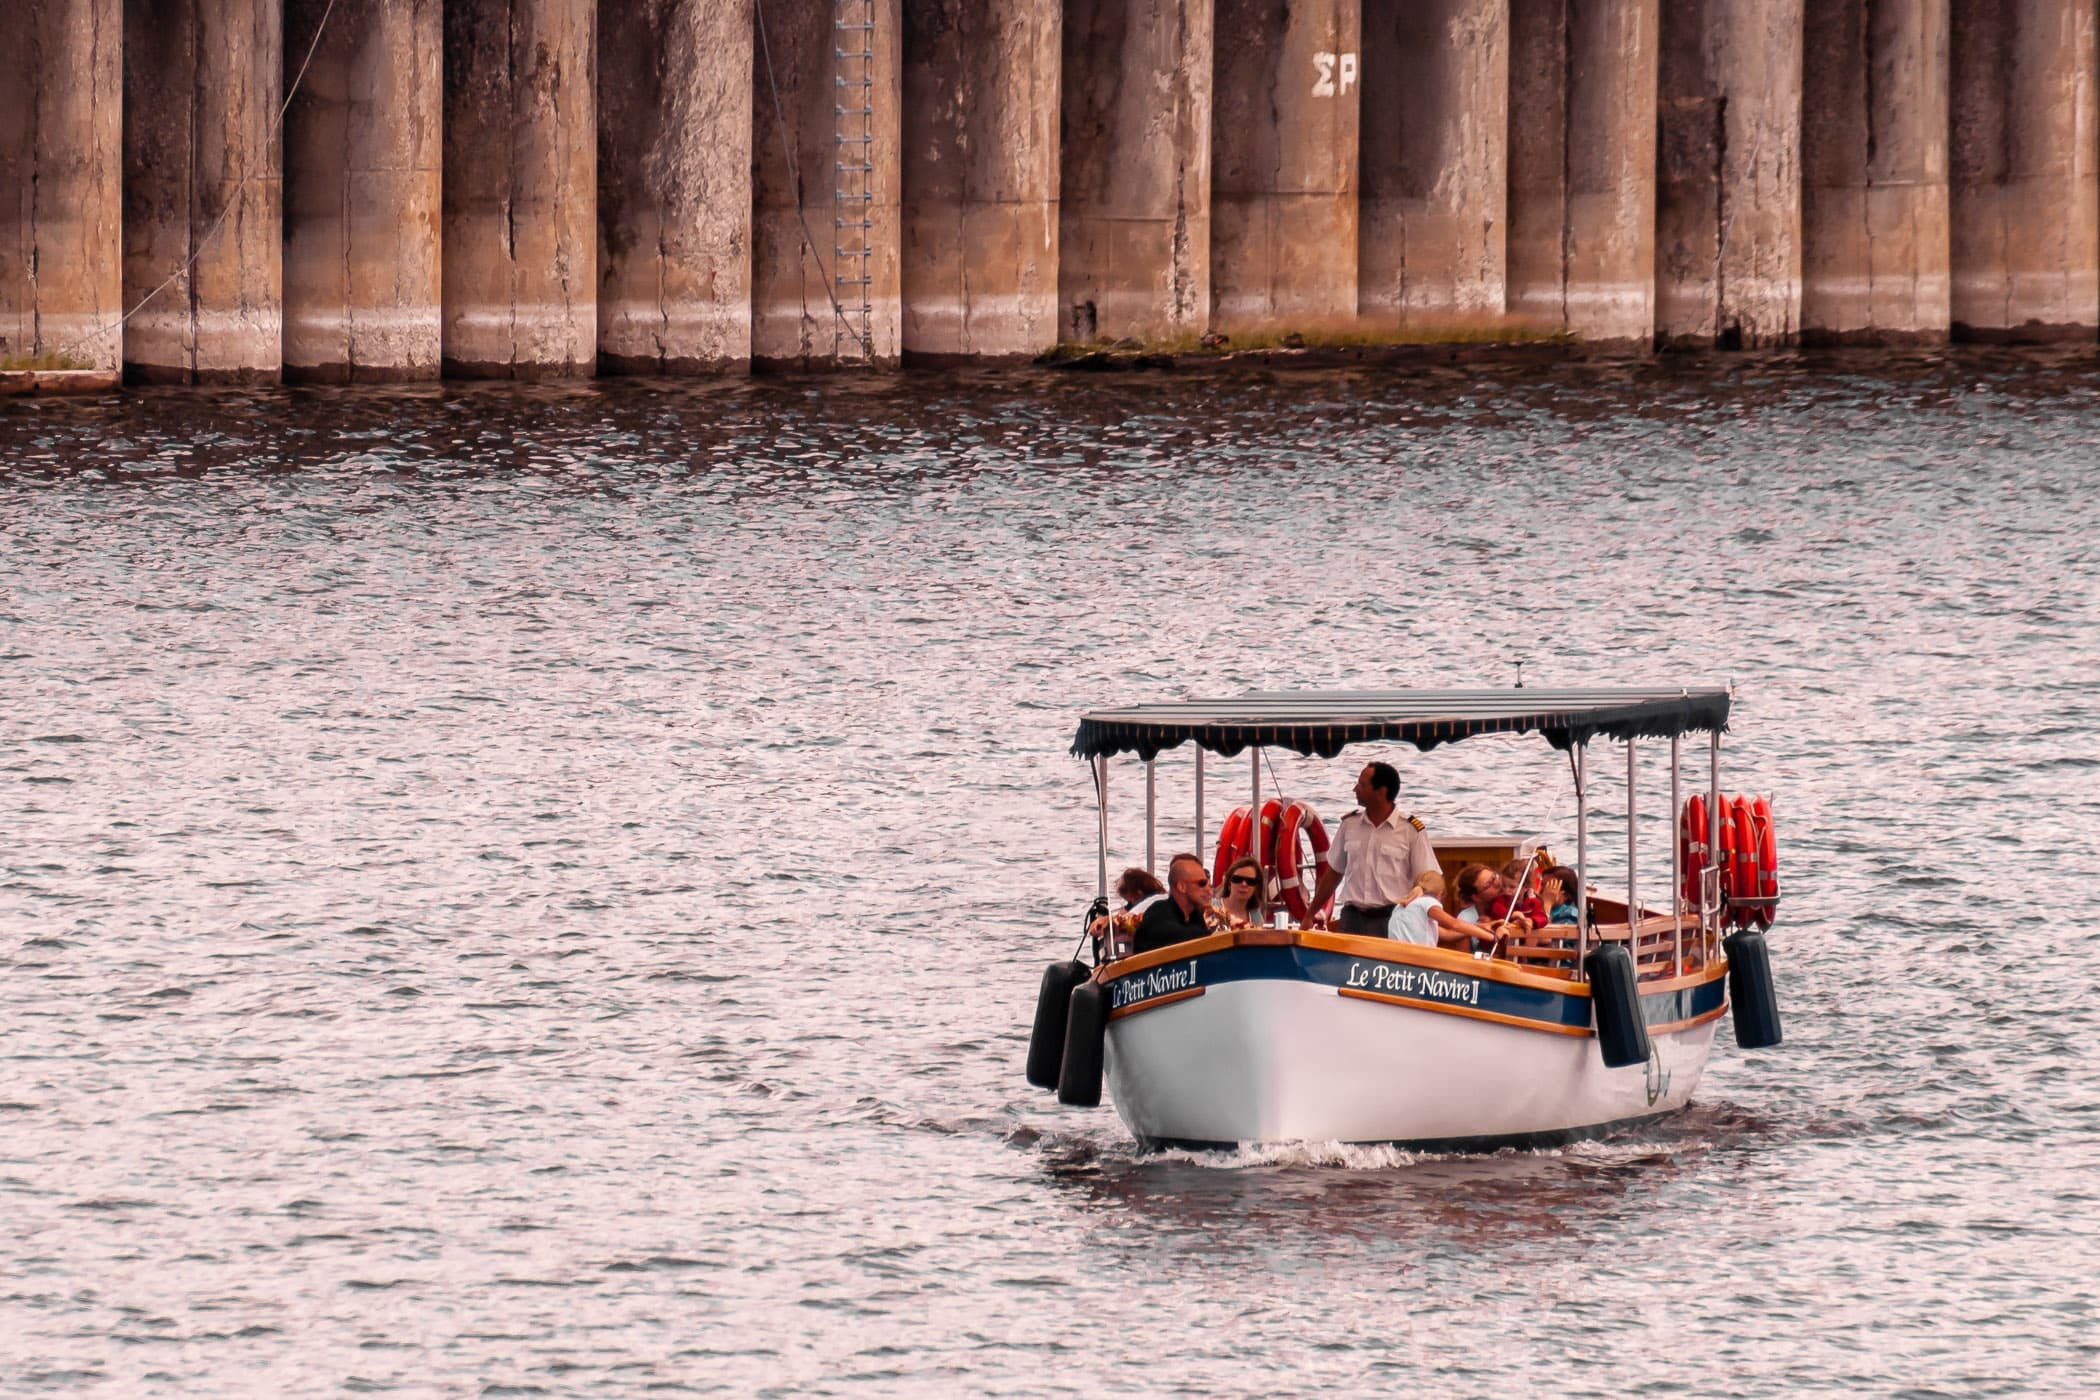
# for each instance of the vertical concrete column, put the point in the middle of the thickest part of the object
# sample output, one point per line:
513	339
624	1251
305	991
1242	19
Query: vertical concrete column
1582	124
203	197
794	148
980	177
1728	195
1133	243
674	185
362	171
1435	168
2024	205
520	189
1874	244
1283	184
61	173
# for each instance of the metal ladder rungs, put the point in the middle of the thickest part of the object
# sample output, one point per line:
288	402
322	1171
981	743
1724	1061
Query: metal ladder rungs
853	22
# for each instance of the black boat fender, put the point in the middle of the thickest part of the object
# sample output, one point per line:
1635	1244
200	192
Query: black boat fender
1622	1036
1750	989
1046	1042
1086	1038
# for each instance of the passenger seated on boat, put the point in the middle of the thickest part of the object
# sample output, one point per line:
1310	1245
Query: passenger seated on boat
1474	889
1509	905
1183	914
1422	917
1240	900
1557	891
1137	887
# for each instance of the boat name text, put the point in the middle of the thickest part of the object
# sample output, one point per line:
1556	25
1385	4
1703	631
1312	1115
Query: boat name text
1143	986
1414	982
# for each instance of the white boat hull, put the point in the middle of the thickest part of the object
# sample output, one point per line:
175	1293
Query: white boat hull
1260	1058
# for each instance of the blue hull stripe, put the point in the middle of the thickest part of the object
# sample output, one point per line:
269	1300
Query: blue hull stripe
1322	967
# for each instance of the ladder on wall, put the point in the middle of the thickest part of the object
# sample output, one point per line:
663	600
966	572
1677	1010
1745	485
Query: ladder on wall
853	206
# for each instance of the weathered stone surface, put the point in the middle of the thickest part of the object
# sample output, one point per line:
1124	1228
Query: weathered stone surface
520	189
1728	198
362	171
1582	121
980	177
674	185
1435	165
1134	193
793	321
203	198
2023	200
1874	172
1284	126
61	178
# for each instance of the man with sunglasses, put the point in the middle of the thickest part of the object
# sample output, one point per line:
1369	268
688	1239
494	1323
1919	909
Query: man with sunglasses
1183	914
1377	852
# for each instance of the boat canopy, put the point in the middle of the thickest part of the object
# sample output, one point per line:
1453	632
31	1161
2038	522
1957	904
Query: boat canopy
1322	723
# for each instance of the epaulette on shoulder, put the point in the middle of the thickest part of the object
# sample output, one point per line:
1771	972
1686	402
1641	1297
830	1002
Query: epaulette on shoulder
1415	822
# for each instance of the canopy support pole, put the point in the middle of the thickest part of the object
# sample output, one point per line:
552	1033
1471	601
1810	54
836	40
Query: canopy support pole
1254	818
1199	799
1101	793
1713	836
1582	854
1151	807
1633	893
1676	866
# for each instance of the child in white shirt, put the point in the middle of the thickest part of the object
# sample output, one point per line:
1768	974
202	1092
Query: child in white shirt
1423	919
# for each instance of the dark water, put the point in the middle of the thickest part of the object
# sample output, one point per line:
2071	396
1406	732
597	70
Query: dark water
538	892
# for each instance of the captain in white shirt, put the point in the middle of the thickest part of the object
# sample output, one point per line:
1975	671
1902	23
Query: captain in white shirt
1378	851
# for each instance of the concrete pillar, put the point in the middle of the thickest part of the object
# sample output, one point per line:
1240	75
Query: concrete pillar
1874	243
1283	182
203	197
1435	168
2023	202
61	173
980	177
793	322
520	189
1582	123
362	169
674	185
1133	242
1728	194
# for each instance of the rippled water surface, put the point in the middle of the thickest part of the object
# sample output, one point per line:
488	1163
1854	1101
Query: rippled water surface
514	892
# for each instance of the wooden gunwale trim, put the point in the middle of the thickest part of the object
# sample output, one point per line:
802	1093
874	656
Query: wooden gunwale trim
1442	959
1159	957
1168	1000
1701	1019
1698	977
1359	994
1386	950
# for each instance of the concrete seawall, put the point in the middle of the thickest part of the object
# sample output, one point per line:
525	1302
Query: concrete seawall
557	188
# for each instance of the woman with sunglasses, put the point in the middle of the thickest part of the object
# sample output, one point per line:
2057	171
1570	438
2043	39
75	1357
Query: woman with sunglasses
1240	898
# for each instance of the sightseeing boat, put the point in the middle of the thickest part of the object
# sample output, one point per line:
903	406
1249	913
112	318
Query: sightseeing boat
1290	1032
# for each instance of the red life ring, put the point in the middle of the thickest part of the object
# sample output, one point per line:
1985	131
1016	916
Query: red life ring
1691	848
1271	811
1743	877
1298	816
1724	857
1767	861
1232	844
